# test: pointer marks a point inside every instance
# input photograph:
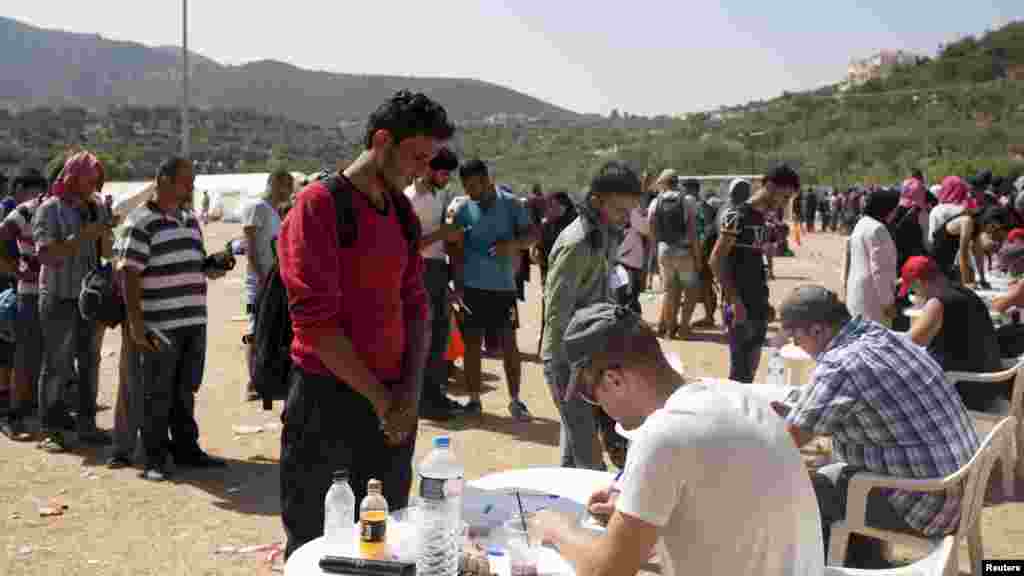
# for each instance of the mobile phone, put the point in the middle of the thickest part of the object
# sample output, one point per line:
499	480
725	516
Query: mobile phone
361	567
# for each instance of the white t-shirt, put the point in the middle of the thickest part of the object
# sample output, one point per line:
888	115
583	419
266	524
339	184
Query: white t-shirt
719	475
430	209
940	215
264	218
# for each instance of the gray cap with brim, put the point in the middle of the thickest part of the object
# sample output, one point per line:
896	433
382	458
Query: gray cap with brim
590	331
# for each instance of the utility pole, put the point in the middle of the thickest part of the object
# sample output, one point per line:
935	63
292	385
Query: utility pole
185	128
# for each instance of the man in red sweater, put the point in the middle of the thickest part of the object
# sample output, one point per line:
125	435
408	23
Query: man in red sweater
359	312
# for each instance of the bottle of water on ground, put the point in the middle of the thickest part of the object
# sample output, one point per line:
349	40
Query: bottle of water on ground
339	516
373	523
441	479
776	368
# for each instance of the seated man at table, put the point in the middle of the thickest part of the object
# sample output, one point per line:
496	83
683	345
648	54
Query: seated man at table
712	482
889	410
955	327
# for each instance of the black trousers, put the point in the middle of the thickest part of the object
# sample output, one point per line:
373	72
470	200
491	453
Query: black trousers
327	427
169	381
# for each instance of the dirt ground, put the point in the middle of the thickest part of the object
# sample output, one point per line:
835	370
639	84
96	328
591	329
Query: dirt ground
212	522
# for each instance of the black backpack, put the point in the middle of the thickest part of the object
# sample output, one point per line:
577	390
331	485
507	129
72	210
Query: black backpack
273	334
670	219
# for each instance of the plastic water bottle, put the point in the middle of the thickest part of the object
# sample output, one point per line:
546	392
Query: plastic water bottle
776	368
441	478
340	516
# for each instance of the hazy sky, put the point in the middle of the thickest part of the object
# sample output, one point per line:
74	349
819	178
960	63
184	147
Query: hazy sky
638	56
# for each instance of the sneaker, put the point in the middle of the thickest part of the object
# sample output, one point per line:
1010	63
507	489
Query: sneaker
519	411
473	408
153	474
118	461
14	428
54	443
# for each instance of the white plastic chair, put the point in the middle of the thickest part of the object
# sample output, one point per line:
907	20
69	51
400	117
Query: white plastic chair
1014	369
938	563
972	478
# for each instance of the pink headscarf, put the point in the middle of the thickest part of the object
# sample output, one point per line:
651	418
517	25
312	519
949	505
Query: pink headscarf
913	194
954	191
82	164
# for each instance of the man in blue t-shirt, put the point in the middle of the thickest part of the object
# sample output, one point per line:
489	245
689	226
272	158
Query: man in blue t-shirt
496	229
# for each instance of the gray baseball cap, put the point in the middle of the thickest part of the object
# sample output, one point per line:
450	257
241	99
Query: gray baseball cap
601	327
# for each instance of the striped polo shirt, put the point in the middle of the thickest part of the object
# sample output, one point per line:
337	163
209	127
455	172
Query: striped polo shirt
19	221
167	250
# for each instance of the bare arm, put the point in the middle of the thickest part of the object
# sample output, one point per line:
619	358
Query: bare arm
719	254
623	549
966	246
1015	297
250	251
925	327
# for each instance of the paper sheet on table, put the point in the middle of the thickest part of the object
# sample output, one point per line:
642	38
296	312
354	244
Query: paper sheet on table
492	508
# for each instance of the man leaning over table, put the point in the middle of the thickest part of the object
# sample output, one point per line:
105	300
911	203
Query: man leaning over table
712	483
889	410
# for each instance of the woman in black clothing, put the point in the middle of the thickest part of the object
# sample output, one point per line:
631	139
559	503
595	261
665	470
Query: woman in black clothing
956	328
968	234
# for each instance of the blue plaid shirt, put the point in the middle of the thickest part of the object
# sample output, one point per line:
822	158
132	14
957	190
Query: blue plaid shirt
890	411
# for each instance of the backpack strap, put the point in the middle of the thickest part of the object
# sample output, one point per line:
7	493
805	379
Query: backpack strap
348	229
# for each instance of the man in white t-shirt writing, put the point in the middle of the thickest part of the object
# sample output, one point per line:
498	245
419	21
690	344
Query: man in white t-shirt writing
261	223
712	483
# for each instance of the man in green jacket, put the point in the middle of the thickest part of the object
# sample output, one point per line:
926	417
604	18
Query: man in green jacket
581	272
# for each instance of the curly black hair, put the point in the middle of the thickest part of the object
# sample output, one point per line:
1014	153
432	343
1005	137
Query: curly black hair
407	115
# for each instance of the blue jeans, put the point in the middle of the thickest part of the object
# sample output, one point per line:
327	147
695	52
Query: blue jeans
578	441
28	352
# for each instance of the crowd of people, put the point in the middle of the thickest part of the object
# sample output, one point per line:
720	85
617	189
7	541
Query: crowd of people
381	261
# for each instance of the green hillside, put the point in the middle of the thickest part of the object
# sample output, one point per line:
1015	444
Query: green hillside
952	114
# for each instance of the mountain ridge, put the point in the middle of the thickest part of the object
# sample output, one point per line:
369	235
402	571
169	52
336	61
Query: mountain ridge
45	67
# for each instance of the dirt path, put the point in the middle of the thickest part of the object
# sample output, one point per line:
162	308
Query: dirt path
206	522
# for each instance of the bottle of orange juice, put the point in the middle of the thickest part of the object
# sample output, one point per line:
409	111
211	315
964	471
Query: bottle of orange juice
373	523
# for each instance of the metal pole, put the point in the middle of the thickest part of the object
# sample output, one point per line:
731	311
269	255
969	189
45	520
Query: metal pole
185	128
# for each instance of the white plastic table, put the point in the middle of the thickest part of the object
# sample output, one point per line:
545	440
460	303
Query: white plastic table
798	363
569	483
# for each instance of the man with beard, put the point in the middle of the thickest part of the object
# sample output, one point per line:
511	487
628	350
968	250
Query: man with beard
430	196
581	273
350	260
163	260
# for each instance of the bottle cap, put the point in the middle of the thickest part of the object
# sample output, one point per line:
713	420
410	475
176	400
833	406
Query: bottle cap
442	441
374	485
341	475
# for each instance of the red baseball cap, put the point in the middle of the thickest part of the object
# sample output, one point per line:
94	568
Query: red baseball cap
915	268
1015	235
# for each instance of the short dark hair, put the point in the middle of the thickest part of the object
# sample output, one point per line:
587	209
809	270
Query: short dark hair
407	115
445	159
691	184
994	216
278	175
562	197
28	178
472	168
169	168
616	177
783	175
917	174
